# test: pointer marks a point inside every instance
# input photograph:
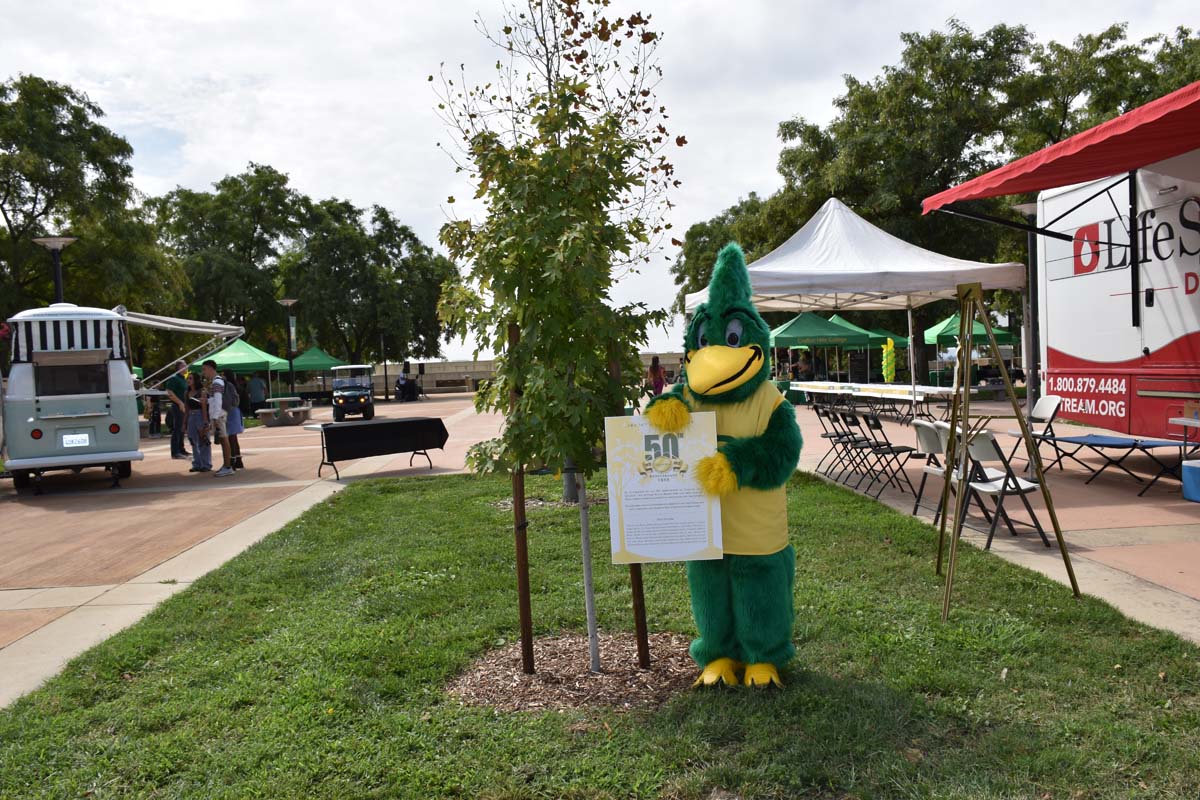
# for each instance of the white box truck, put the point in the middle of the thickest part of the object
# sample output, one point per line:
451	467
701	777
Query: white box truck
1111	372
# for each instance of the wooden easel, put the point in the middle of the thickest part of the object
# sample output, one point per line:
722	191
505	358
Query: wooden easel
970	307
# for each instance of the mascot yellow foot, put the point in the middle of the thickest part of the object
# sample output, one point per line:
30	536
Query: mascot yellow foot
761	676
718	671
669	415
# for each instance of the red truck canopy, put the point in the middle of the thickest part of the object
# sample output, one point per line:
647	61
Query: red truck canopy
1164	128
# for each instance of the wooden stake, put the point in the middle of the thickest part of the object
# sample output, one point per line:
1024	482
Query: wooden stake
635	570
639	615
961	397
520	524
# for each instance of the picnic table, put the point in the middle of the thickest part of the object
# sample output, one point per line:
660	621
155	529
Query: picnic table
286	414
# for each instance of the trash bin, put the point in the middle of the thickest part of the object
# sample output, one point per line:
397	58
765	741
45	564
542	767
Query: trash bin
1191	480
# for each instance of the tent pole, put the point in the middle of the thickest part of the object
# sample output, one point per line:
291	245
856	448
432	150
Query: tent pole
912	361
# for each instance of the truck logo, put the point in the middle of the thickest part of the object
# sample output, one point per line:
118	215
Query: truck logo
1159	241
1088	236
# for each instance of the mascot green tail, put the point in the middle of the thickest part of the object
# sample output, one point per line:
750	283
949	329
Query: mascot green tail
743	602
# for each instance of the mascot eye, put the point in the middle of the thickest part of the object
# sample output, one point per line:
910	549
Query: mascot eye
703	340
733	333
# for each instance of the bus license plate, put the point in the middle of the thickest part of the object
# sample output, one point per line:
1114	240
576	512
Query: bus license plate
76	440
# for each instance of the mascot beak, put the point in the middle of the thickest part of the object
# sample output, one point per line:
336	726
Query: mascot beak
717	369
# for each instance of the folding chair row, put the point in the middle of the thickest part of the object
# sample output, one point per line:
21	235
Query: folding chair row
859	447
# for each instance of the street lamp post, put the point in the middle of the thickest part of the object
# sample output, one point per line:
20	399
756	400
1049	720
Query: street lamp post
288	303
55	245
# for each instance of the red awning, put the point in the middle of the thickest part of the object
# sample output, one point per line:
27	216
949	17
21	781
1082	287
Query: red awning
1166	127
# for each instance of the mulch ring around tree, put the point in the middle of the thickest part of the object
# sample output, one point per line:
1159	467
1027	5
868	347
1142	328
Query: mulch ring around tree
563	680
538	502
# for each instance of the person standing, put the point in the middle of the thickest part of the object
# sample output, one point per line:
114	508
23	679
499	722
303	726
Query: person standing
234	425
176	388
218	415
197	425
656	376
257	390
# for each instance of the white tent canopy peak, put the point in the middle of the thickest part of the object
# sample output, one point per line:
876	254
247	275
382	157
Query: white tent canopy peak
838	260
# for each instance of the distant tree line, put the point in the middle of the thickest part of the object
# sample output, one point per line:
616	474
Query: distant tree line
956	105
367	285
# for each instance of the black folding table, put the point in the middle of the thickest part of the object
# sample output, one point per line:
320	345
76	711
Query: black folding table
342	441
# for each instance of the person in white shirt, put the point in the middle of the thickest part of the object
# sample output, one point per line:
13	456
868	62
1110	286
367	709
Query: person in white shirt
217	415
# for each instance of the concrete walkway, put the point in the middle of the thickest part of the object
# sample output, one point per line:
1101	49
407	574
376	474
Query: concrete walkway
1140	554
81	562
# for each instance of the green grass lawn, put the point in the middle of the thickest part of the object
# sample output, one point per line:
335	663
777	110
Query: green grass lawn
313	665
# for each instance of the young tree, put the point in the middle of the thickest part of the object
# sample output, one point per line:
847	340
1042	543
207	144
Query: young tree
567	149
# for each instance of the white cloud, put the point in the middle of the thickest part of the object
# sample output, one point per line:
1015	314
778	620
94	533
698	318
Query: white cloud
334	94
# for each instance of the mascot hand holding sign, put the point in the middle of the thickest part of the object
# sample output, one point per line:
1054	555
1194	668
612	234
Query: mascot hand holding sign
742	602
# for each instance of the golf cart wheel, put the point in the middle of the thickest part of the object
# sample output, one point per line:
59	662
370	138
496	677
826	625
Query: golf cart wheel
338	415
368	413
124	469
22	479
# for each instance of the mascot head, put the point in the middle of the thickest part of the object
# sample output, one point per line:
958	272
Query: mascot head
727	340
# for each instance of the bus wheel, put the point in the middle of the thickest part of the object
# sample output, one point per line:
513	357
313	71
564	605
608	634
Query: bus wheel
124	469
21	479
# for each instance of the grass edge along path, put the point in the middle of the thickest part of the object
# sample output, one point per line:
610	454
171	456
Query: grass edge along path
314	664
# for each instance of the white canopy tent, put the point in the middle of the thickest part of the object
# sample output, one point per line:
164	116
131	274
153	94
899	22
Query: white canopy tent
839	261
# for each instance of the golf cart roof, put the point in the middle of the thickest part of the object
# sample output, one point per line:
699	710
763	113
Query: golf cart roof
348	367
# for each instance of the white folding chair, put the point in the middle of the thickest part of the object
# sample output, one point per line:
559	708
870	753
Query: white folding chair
983	449
943	433
929	445
1043	414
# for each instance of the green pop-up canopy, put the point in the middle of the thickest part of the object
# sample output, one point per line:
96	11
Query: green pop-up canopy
873	339
812	330
241	356
899	342
315	359
946	333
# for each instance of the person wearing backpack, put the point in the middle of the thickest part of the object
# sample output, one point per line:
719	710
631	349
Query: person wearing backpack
218	415
233	402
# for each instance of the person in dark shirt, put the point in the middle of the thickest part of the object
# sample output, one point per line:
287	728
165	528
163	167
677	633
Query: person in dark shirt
176	389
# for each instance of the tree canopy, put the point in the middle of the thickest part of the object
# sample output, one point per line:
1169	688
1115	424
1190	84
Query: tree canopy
61	171
365	287
957	104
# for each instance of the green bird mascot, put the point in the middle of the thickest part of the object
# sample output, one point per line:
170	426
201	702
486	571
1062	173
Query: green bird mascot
742	602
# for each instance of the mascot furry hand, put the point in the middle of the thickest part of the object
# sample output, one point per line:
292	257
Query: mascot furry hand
743	602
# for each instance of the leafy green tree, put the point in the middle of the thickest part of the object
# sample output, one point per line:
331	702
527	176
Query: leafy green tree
567	151
365	290
957	104
61	171
229	241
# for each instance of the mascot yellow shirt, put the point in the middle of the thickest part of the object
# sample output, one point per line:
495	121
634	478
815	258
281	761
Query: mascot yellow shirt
753	521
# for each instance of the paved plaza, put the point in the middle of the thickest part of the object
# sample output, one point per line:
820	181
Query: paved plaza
83	561
1141	554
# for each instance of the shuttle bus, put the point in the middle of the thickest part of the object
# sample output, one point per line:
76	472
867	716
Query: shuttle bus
69	401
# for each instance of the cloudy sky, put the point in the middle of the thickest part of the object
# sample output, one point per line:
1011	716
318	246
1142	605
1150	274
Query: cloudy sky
335	94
